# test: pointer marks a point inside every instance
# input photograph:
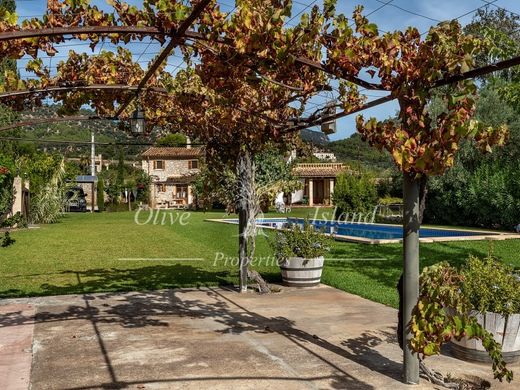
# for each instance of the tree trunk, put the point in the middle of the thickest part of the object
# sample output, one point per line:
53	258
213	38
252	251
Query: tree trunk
244	177
423	191
411	226
247	206
242	247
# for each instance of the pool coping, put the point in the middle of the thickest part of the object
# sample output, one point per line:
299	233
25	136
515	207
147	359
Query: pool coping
483	234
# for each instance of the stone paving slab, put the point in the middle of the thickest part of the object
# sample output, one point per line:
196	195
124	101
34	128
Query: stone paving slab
319	338
16	333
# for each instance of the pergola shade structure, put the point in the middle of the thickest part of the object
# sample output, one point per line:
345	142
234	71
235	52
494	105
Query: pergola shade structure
247	82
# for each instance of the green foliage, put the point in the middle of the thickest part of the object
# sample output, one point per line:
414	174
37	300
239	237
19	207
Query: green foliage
218	183
120	169
172	139
48	202
354	150
72	170
502	30
481	190
107	134
15	220
491	286
443	312
116	179
101	195
6	186
301	241
7	240
354	193
215	186
273	175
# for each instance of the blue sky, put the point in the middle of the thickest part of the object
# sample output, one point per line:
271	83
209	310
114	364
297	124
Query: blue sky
387	14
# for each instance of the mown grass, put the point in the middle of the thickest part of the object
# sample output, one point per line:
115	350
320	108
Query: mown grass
110	252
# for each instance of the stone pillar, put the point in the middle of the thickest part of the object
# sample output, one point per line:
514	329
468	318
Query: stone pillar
153	192
331	190
190	196
311	192
18	195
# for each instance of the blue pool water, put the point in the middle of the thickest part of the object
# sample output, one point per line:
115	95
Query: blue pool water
364	230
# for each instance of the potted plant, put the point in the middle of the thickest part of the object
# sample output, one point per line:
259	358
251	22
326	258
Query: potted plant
299	250
493	291
475	308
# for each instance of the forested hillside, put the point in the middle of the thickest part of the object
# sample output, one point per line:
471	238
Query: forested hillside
354	150
69	136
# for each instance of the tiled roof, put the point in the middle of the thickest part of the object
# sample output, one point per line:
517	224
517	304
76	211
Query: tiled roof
174	153
318	169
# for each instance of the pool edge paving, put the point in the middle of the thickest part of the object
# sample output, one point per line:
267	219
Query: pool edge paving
471	235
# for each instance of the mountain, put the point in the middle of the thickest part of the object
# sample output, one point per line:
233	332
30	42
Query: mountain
354	150
107	133
316	138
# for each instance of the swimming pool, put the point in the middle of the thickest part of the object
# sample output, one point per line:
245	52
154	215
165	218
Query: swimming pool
374	233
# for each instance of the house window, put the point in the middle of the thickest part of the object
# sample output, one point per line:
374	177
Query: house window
161	187
158	164
182	192
193	164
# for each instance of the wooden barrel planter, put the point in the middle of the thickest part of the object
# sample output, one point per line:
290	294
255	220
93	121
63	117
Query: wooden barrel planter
300	272
506	331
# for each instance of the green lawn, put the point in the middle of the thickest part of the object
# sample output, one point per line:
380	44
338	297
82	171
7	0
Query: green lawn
109	252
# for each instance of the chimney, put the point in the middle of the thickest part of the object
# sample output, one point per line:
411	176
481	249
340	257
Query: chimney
188	143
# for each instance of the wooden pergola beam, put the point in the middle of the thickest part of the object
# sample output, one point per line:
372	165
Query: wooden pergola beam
177	37
151	31
352	79
95	87
79	30
500	65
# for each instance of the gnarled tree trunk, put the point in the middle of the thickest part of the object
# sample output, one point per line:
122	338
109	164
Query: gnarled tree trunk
248	207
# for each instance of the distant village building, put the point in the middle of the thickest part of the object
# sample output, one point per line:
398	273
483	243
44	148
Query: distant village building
103	164
325	156
173	170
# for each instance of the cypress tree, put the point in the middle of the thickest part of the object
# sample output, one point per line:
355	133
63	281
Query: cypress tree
101	195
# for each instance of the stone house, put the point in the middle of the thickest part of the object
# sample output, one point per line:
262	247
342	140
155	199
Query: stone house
173	170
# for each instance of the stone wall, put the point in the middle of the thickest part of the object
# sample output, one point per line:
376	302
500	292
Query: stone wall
172	168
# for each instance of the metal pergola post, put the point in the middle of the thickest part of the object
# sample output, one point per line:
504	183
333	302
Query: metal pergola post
411	226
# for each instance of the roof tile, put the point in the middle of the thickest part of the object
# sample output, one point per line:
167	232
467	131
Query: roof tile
318	169
174	153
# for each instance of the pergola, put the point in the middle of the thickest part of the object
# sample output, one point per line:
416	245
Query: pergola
196	33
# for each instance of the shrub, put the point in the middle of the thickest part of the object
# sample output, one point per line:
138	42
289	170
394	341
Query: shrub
354	193
6	186
6	240
48	203
491	285
300	241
